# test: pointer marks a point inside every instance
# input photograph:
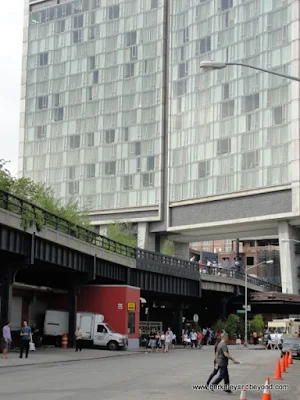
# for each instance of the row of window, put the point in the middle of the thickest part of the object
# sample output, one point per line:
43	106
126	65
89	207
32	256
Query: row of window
66	10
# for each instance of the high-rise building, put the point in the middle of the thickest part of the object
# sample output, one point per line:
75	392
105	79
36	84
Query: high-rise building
117	113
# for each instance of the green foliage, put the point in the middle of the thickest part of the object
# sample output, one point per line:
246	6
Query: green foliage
232	325
42	196
257	323
219	326
168	248
122	233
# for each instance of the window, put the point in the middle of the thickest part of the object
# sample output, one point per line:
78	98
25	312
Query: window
74	187
225	4
154	4
42	102
147	179
41	132
185	35
110	136
110	168
278	115
127	182
92	62
250	260
180	88
114	12
43	59
204	45
101	329
130	38
126	134
203	169
90	170
251	102
226	91
250	160
71	173
59	114
131	323
224	146
129	70
137	148
182	70
74	141
91	32
90	93
96	77
56	100
90	139
150	163
61	26
78	21
77	36
228	109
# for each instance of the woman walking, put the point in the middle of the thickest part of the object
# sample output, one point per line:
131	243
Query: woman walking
216	368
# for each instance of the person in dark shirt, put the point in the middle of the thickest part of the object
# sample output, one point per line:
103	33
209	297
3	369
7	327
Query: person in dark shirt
222	357
216	367
26	337
152	340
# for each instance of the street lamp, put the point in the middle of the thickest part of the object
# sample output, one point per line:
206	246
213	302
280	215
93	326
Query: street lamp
246	297
212	65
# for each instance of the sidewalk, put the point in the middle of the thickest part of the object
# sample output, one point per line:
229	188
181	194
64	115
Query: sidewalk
57	355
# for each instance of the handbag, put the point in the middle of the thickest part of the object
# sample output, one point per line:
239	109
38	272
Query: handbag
31	346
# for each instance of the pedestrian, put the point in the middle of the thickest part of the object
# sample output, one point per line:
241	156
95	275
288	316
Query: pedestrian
222	357
168	342
152	340
78	337
26	337
216	367
162	341
6	333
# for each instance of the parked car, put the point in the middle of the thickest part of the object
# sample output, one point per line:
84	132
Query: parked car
291	344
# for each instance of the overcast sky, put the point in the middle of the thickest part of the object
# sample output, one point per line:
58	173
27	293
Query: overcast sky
11	37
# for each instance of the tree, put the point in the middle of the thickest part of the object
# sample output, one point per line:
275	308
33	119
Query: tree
219	325
257	323
232	325
122	233
168	248
42	196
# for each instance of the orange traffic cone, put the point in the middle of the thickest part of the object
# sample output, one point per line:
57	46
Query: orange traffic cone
266	393
291	357
243	394
283	369
277	374
286	359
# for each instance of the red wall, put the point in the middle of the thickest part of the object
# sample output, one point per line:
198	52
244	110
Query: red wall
112	302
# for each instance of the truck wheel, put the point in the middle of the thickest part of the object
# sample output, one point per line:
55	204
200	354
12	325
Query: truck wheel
113	346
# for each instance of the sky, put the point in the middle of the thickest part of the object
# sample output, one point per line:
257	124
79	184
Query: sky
11	38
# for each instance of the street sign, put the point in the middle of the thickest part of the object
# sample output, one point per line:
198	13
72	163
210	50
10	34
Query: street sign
196	318
241	311
248	307
131	306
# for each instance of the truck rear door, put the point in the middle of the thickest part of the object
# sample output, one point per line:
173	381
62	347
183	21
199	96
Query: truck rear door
86	326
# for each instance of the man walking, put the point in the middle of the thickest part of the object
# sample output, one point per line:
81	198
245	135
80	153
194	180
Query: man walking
78	337
222	357
26	337
6	338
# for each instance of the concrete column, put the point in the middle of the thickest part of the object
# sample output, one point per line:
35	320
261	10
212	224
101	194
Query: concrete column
145	239
289	260
182	250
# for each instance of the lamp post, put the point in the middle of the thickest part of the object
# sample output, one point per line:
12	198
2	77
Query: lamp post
246	297
213	65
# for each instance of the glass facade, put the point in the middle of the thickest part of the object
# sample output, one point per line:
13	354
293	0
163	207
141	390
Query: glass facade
94	101
230	129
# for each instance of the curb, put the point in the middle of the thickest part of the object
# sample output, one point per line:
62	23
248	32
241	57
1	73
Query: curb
68	361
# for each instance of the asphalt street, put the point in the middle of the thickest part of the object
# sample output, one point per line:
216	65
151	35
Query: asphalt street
143	376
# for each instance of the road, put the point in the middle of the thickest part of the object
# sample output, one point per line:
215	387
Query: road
142	376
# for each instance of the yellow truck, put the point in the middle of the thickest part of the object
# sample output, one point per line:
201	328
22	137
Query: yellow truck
287	327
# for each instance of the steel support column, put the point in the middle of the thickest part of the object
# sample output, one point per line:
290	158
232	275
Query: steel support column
73	292
7	275
223	307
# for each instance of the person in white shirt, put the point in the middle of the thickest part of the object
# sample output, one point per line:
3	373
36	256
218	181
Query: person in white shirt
171	337
168	342
173	341
162	341
194	339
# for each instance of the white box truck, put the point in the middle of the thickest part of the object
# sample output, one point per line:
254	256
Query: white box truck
95	331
